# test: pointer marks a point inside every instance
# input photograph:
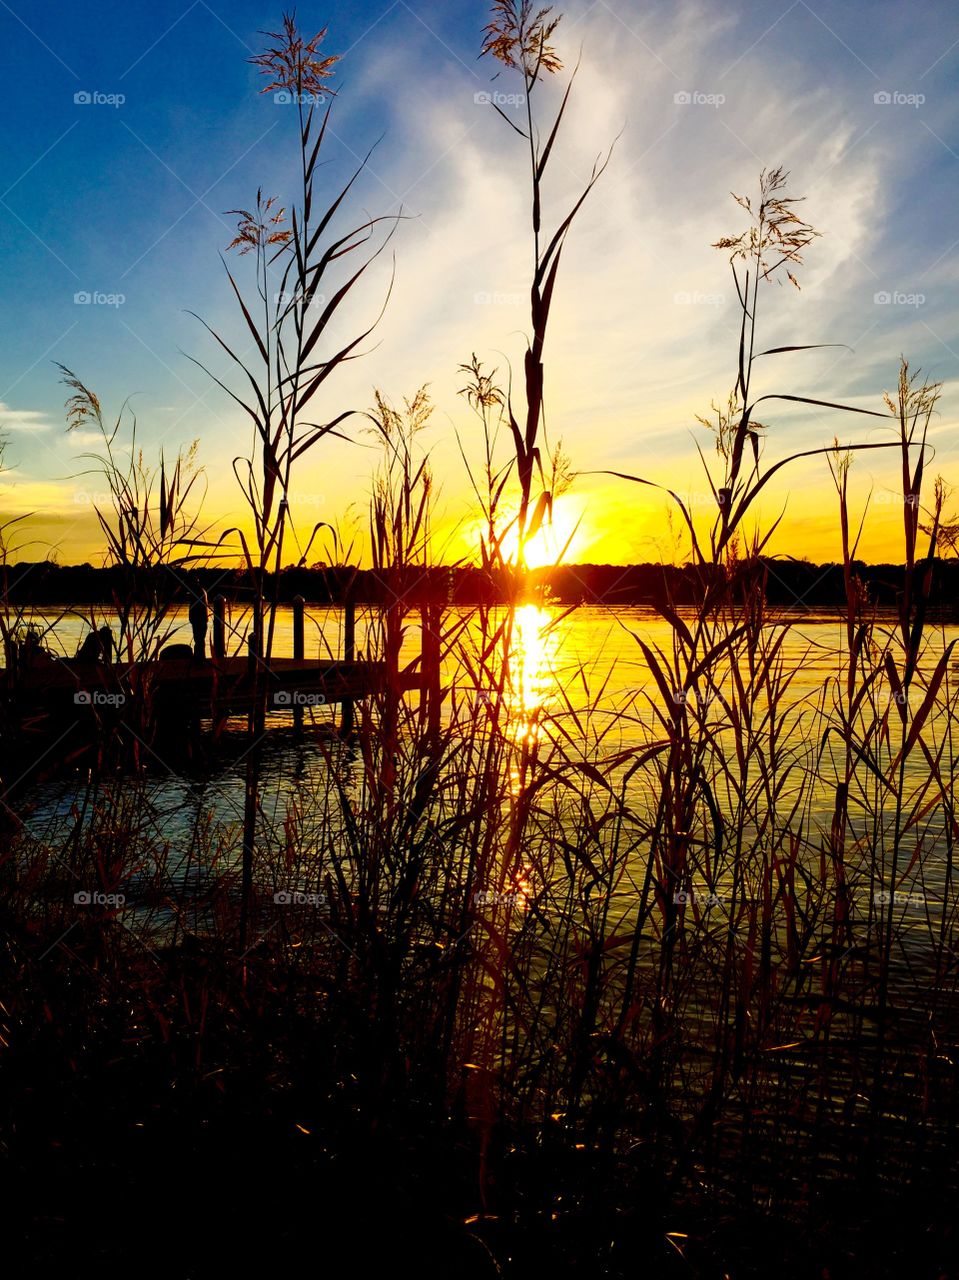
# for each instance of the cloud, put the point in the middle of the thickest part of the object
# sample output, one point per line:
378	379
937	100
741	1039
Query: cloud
22	420
81	439
644	328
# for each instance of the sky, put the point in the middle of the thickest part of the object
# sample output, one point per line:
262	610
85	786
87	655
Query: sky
132	128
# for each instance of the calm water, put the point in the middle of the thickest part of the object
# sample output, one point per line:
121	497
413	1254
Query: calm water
599	641
590	657
586	665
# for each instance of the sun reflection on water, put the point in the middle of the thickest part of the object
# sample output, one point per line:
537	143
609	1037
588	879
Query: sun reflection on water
531	677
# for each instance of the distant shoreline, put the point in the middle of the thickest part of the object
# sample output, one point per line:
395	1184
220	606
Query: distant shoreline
790	583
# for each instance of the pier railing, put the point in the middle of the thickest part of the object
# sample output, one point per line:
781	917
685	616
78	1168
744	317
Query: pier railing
199	686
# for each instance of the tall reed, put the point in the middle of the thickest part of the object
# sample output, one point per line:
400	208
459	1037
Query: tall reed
518	35
290	320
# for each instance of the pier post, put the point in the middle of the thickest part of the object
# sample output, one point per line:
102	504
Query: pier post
299	653
254	640
349	655
219	627
431	621
217	715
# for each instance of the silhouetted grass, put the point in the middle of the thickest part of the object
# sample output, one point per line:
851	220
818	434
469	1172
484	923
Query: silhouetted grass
505	985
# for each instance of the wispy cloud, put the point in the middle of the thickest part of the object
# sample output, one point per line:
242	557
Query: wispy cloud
23	419
643	334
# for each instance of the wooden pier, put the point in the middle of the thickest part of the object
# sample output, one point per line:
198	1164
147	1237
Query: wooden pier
215	687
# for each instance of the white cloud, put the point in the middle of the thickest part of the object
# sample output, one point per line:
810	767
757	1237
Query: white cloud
644	328
81	439
22	419
626	355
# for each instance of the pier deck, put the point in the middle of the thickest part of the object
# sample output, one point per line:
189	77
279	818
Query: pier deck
214	688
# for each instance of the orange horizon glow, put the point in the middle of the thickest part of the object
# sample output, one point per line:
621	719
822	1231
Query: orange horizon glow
616	523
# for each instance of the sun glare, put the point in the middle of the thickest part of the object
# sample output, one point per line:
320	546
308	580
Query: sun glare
560	540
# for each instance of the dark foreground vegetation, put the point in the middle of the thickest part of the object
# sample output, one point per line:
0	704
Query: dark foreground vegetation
493	985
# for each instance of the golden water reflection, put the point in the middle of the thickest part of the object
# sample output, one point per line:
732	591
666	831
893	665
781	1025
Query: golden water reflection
531	690
531	677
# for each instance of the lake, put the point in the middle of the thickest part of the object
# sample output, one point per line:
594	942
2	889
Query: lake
580	675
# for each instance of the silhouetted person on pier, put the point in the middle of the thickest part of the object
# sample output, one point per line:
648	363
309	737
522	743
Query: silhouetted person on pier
89	651
97	647
199	612
32	652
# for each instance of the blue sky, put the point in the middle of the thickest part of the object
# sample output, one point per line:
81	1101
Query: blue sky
127	199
